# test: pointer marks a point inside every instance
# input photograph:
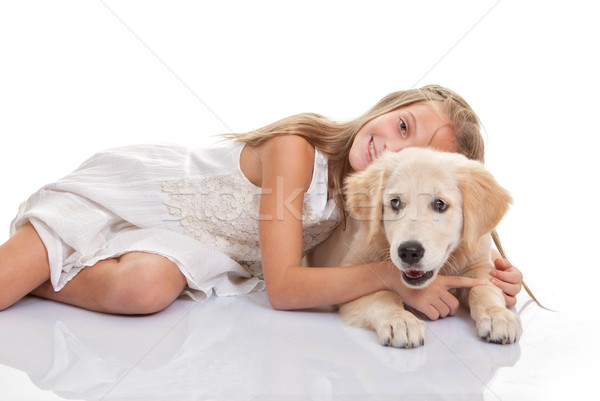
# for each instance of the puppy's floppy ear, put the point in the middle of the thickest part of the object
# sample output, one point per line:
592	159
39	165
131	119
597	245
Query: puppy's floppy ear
364	192
484	203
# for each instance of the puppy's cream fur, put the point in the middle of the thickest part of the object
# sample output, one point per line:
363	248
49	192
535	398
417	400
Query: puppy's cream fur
456	241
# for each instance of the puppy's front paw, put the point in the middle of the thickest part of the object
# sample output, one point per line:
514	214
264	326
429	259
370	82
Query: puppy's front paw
401	330
498	325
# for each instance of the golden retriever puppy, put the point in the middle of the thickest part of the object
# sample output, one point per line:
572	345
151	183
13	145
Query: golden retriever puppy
429	212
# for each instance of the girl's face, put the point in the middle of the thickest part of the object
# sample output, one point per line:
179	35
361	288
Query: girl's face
419	124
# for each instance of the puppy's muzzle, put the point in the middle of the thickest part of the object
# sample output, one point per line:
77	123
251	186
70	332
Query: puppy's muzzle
411	253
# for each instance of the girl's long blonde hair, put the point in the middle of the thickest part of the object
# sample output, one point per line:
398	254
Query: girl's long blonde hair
334	139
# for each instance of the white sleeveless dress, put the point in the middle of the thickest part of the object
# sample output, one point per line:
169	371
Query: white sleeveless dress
192	206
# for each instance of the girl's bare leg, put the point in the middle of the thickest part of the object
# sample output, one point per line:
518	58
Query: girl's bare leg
135	283
23	265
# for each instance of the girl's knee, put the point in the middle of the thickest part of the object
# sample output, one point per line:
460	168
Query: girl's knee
23	265
149	283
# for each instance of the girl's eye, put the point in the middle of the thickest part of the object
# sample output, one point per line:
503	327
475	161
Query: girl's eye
403	127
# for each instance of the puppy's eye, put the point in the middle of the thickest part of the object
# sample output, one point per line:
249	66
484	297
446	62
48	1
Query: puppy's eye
396	204
440	206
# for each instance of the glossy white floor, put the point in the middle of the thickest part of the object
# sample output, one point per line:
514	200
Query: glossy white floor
77	76
241	349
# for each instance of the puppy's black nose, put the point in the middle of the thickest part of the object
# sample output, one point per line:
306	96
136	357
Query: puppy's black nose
411	252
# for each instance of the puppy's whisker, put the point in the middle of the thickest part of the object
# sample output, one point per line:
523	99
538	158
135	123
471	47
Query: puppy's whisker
384	254
451	266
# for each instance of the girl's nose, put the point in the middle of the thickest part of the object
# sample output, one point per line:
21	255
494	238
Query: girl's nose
393	146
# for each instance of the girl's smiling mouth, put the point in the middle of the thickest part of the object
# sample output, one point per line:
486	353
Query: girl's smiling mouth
371	153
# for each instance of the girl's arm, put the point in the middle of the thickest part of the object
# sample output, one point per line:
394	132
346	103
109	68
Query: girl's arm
286	165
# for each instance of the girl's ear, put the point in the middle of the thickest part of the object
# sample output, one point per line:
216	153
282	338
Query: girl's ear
484	203
364	192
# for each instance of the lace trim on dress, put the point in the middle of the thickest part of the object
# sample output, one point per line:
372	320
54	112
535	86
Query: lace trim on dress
223	212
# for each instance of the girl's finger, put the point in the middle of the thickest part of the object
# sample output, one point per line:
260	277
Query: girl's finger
502	264
451	301
461	282
507	288
432	313
442	308
510	301
512	277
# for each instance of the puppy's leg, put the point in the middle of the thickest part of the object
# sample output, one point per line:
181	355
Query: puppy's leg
381	311
384	312
495	323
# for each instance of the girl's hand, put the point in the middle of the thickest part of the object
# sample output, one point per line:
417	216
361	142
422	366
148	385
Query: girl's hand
508	278
434	300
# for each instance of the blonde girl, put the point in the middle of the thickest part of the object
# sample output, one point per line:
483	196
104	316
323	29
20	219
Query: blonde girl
135	227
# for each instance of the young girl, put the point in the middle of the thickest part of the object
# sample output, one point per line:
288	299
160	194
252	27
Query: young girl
134	227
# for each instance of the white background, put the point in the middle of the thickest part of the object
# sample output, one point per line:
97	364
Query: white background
80	76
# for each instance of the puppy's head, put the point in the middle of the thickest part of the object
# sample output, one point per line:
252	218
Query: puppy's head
425	202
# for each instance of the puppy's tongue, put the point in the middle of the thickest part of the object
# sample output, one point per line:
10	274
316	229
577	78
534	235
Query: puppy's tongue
414	273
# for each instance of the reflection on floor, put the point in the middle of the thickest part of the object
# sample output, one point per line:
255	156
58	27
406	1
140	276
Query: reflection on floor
241	349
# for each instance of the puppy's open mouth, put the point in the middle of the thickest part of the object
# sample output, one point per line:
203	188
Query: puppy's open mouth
416	277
